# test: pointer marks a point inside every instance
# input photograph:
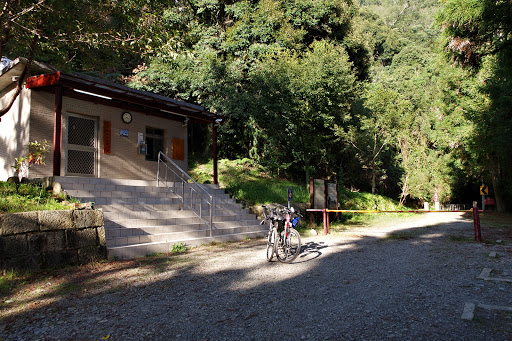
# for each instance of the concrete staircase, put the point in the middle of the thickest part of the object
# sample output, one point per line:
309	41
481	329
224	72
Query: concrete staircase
142	219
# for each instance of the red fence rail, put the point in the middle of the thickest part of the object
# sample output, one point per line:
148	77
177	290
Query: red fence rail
475	211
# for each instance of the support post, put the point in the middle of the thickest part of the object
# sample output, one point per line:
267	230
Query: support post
324	213
57	130
476	222
214	142
328	224
311	201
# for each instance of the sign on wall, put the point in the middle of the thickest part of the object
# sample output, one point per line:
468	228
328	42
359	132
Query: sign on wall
107	137
178	149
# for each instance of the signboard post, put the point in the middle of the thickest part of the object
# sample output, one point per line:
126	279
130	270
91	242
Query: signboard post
436	202
484	190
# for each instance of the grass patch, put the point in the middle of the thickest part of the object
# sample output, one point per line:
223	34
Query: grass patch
249	182
155	255
7	281
367	201
10	280
399	236
65	289
253	184
28	197
461	239
351	220
179	248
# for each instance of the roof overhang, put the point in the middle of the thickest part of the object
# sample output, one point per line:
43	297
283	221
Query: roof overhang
105	92
15	68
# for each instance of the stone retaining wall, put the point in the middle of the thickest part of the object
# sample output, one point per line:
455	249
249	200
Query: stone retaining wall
42	239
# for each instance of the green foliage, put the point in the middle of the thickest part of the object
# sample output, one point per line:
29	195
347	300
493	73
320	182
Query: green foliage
10	280
27	197
179	248
477	36
337	89
36	156
251	184
367	201
109	37
278	70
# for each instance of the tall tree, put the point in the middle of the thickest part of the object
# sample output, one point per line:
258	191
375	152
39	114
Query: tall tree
77	34
478	36
228	59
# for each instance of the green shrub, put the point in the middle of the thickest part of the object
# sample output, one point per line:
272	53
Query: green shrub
27	197
367	201
179	248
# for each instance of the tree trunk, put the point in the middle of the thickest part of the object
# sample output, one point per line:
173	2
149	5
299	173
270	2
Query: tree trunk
306	170
24	74
374	176
404	191
499	188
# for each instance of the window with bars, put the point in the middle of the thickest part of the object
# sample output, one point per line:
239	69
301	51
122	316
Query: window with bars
155	143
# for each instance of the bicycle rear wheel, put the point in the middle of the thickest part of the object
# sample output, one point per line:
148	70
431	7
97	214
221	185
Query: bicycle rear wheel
288	248
271	243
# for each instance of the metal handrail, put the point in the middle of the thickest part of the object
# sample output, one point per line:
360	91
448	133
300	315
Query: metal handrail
188	187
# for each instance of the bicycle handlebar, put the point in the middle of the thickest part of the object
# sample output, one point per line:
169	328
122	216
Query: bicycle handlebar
277	213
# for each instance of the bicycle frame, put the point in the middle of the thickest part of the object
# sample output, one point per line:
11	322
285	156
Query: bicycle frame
279	242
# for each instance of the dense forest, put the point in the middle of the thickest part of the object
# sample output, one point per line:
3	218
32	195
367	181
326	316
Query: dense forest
406	98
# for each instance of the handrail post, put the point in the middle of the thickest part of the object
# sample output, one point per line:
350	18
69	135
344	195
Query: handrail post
158	171
211	216
182	191
324	214
179	174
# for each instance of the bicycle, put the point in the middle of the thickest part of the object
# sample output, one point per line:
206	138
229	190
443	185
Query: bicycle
287	243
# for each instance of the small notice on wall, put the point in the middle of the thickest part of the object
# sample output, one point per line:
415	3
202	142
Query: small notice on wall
123	133
178	149
107	137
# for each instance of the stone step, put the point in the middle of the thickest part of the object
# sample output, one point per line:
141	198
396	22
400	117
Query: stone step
235	223
100	185
152	222
146	199
102	181
174	236
144	192
140	250
120	194
98	201
173	211
218	221
141	218
119	232
157	238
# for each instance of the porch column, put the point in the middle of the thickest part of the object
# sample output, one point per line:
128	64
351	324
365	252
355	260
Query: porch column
57	130
215	172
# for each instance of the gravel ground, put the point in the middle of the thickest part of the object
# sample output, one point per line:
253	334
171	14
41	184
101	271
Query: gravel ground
356	285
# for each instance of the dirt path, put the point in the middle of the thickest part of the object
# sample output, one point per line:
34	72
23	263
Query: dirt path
409	281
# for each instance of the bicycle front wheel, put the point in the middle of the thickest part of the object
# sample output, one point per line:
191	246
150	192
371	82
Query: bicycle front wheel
271	243
288	248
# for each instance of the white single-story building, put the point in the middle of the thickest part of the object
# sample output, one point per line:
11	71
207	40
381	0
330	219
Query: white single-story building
95	127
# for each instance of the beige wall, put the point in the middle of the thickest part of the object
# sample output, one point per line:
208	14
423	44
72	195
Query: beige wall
123	162
14	131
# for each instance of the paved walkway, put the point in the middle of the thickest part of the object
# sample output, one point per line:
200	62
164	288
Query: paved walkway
411	281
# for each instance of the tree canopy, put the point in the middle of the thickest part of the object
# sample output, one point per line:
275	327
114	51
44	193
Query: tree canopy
478	36
407	98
